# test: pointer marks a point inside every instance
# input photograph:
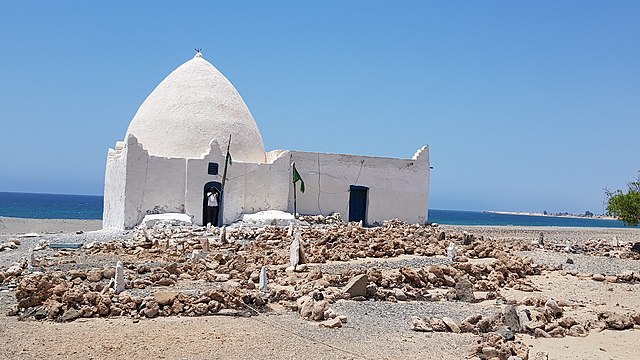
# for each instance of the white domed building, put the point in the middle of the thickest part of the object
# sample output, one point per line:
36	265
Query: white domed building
175	148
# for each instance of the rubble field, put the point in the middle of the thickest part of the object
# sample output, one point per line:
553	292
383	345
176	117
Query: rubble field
489	295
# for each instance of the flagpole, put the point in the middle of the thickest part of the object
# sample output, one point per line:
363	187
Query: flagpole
293	170
295	210
224	179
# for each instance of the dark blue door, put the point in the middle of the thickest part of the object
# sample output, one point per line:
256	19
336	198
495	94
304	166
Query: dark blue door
358	203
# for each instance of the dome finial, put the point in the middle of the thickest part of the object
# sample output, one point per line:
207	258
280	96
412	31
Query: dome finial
198	52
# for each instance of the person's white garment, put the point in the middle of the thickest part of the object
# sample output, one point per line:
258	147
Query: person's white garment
213	199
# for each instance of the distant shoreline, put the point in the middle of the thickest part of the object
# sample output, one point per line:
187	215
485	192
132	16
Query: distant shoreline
571	216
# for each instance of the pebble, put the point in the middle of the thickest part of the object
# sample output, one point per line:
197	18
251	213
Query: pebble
451	324
541	333
331	323
506	334
357	286
400	295
552	308
577	331
70	315
510	317
164	297
464	290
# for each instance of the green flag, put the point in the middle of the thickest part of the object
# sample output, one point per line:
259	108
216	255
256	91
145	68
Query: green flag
297	177
228	159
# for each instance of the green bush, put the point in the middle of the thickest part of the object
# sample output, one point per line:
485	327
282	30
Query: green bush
625	206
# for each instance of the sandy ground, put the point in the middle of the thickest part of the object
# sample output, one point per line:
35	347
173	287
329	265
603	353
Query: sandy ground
612	345
376	330
552	234
593	297
21	226
215	337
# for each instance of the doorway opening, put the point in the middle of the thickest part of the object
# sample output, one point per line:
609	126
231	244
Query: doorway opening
215	186
358	203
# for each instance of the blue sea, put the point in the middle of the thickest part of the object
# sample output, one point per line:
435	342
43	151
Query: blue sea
50	206
55	206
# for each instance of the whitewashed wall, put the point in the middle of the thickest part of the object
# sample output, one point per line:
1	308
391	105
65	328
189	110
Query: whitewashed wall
267	186
114	187
398	188
154	185
249	187
197	177
137	184
136	159
163	186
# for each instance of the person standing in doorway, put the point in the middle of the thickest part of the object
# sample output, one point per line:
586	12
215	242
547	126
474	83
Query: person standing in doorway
212	206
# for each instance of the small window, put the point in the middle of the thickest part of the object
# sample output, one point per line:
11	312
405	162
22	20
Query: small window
213	169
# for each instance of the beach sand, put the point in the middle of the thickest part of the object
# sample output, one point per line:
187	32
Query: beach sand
552	234
376	329
9	225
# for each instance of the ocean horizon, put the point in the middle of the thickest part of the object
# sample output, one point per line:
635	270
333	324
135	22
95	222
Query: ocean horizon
50	206
89	207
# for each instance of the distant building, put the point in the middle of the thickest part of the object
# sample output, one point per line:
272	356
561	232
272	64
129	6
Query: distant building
174	152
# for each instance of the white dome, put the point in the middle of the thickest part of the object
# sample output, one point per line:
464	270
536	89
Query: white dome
192	106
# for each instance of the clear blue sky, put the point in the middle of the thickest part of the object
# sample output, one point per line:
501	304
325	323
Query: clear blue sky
525	105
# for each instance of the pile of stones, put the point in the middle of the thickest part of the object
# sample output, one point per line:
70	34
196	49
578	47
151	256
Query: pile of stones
225	264
315	307
165	255
337	241
538	317
601	247
334	218
626	276
12	274
57	296
461	280
10	244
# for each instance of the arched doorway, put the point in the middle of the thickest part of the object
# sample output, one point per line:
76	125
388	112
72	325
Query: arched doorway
216	186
